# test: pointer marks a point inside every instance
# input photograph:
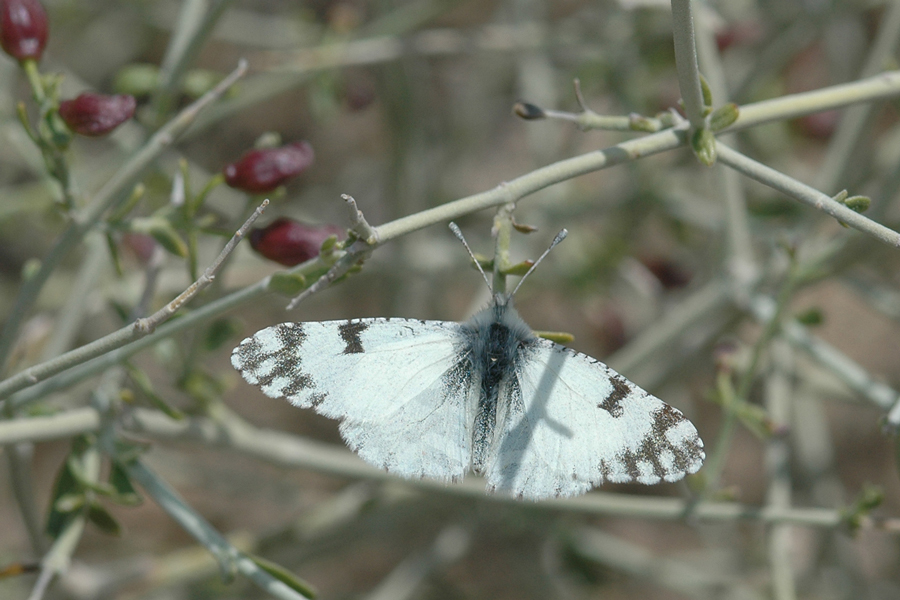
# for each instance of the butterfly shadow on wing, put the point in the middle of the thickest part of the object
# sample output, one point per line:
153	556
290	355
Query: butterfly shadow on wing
517	451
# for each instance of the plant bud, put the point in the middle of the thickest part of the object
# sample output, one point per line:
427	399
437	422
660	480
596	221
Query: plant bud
291	242
96	114
261	171
23	28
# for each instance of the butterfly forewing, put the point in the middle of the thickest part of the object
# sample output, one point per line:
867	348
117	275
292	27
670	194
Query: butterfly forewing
572	423
397	385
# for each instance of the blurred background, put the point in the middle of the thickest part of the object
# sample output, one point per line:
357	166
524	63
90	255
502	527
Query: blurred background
408	105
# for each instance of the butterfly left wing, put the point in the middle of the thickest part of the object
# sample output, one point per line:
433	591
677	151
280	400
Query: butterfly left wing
570	423
397	385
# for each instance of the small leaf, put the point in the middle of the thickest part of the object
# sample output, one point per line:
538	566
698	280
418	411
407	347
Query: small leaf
284	576
869	498
328	244
202	387
724	116
145	386
703	142
218	333
858	204
707	93
528	111
168	238
811	317
125	492
640	123
104	521
68	503
518	269
560	337
65	485
840	197
119	213
287	284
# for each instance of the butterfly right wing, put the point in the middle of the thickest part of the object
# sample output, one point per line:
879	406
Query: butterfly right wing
402	392
569	423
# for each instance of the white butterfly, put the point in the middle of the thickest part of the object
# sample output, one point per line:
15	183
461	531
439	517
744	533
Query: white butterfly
438	398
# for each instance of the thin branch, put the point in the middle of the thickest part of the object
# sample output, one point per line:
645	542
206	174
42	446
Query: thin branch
791	106
290	451
196	525
140	328
686	62
778	461
853	123
109	196
806	194
835	362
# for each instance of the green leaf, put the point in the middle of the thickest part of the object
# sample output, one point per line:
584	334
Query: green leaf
219	332
858	204
707	93
328	244
560	337
138	79
66	485
287	284
68	503
125	492
284	576
724	116
518	269
811	317
142	382
703	142
104	521
168	238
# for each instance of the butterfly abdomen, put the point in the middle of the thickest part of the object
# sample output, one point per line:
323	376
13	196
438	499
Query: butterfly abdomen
494	339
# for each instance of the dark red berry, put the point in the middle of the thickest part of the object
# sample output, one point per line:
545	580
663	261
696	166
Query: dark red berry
96	114
261	171
291	242
23	28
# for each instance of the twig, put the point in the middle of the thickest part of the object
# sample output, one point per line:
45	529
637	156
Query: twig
191	521
806	194
140	328
291	451
884	85
195	22
778	461
686	62
450	545
108	197
835	361
853	122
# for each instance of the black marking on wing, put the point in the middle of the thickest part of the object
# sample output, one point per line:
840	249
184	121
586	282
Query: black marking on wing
686	453
350	332
620	390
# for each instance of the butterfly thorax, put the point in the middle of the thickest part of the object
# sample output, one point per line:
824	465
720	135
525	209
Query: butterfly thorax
494	337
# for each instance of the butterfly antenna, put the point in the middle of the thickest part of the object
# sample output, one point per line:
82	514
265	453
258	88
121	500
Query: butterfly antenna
456	231
559	237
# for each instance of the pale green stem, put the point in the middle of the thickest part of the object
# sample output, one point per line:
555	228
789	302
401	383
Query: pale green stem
854	122
686	62
806	194
203	532
778	459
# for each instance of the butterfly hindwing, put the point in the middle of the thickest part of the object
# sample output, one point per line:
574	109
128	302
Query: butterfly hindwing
572	423
397	385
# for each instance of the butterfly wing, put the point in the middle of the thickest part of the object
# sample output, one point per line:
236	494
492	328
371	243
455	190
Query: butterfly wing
399	387
570	423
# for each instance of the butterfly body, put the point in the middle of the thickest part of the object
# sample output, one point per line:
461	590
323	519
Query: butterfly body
438	398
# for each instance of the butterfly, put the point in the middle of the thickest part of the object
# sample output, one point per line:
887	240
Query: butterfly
436	399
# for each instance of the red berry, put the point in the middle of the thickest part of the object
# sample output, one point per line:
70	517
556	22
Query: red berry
260	171
23	28
291	242
96	114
